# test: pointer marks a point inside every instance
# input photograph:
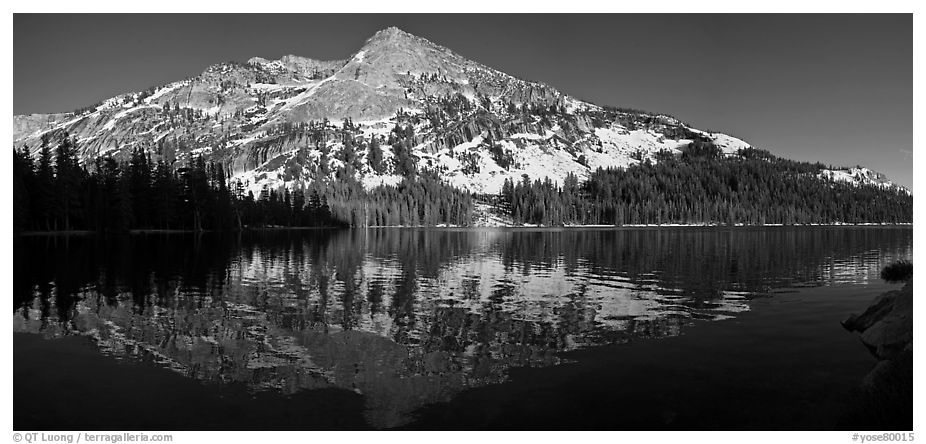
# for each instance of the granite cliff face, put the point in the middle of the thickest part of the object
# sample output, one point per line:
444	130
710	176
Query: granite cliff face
287	122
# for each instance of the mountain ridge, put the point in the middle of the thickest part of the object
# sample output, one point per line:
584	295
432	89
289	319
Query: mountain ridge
274	123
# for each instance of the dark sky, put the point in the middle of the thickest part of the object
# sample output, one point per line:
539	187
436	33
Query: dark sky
831	88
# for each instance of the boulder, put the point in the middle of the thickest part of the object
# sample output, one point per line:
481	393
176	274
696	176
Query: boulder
884	399
886	327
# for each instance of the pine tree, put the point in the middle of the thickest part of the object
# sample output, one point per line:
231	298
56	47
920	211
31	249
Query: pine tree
67	183
375	156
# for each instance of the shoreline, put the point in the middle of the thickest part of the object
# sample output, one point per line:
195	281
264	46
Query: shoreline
579	226
442	226
160	231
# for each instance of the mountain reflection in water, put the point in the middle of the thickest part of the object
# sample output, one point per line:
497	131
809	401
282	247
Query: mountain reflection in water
411	317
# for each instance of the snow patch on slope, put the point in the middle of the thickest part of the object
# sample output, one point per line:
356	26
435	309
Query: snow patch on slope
112	121
163	91
859	175
728	144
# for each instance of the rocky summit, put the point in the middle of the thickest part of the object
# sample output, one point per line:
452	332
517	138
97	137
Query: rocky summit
289	122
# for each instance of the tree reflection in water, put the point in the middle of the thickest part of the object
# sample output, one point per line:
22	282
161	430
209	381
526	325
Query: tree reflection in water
411	317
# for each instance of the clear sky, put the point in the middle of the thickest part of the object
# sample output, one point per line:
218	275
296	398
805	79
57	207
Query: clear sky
831	88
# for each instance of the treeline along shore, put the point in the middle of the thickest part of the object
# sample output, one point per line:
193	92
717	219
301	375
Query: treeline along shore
53	191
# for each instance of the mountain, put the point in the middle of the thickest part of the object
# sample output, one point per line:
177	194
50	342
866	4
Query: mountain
288	122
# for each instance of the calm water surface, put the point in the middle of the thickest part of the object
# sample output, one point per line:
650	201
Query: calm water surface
404	325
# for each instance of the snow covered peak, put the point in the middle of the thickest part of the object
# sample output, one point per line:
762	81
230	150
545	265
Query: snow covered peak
392	51
394	34
275	122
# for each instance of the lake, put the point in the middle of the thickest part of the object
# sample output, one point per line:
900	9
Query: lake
652	328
